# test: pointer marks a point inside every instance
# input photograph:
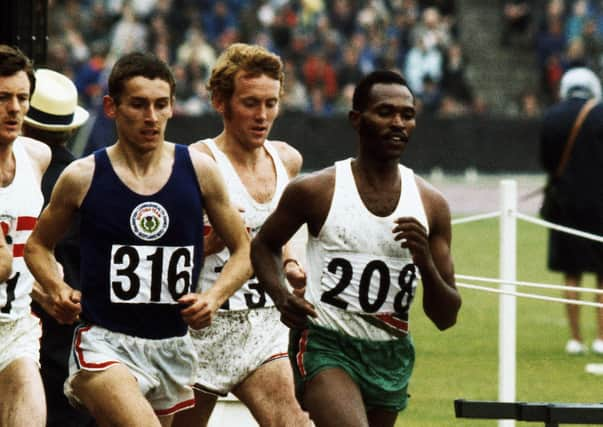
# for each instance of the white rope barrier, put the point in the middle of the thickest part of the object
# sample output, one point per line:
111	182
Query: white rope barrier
475	218
531	296
508	216
558	227
530	284
532	220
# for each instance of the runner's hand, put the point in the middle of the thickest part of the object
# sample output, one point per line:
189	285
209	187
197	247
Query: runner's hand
295	311
412	235
65	306
296	276
198	310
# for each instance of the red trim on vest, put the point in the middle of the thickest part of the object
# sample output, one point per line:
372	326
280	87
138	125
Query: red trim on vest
394	321
18	250
26	222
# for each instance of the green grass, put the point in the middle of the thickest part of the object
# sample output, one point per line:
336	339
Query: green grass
462	362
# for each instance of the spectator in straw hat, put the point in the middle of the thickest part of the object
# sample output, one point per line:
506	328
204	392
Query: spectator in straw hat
53	118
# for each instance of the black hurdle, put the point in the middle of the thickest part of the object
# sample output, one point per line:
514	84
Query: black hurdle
552	414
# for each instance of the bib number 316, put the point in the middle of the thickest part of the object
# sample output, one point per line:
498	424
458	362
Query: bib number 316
150	274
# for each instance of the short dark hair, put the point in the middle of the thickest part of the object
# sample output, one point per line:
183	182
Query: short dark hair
360	98
13	60
138	64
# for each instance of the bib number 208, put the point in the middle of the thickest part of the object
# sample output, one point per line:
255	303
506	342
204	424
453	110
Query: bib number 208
402	298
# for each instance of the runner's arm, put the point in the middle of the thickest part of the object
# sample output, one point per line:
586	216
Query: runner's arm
228	223
292	265
6	259
267	255
66	198
432	255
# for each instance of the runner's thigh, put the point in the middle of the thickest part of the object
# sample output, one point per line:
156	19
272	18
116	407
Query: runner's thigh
113	397
333	399
27	406
269	394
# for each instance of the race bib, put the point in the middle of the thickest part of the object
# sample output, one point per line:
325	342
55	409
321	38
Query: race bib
249	296
14	293
366	283
150	274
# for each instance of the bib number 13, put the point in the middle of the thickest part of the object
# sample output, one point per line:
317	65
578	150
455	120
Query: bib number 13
148	274
255	299
369	300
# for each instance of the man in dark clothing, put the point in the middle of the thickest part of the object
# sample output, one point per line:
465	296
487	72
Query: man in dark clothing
53	118
580	191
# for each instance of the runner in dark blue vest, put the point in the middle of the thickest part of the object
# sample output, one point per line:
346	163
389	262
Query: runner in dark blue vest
141	204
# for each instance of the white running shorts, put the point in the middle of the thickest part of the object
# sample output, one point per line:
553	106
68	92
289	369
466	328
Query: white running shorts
165	369
20	338
235	344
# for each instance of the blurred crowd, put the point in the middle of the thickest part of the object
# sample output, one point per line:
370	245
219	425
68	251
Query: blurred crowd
325	45
563	34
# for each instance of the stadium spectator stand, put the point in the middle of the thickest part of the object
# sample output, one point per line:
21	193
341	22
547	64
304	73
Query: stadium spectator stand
326	44
450	44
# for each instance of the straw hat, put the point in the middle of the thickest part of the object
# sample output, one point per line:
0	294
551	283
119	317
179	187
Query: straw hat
53	105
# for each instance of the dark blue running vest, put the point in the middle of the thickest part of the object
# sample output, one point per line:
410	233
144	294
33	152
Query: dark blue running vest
140	253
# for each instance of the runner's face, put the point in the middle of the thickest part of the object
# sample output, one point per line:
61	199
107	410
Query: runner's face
14	103
250	113
142	115
388	121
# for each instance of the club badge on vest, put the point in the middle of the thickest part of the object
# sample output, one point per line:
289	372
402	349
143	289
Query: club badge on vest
149	221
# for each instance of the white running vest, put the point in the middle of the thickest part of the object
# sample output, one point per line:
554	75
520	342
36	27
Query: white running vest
360	279
250	295
20	204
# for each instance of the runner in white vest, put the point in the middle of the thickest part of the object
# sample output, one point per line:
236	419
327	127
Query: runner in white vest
21	202
22	164
244	349
356	243
374	228
250	295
